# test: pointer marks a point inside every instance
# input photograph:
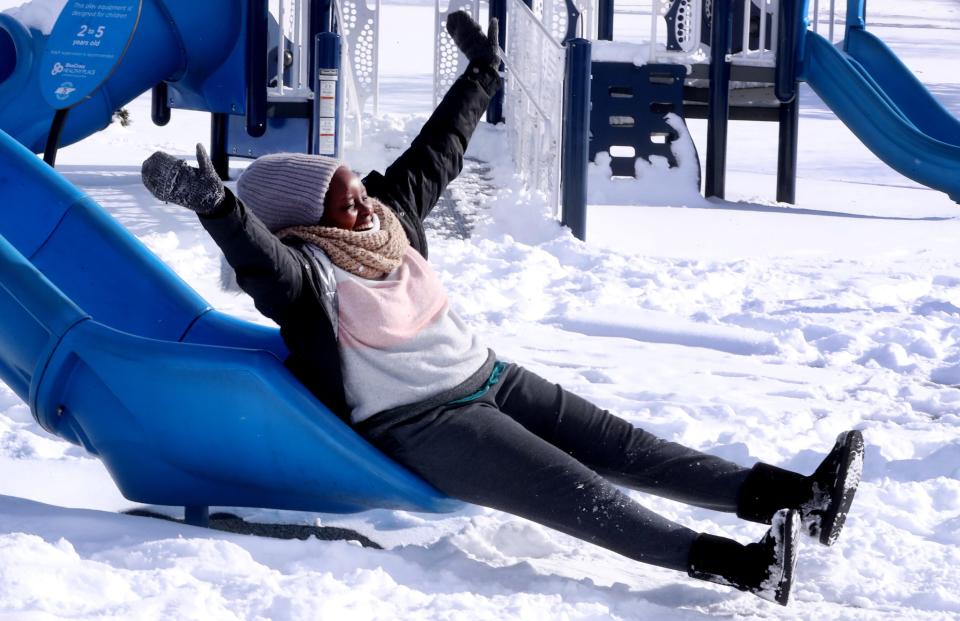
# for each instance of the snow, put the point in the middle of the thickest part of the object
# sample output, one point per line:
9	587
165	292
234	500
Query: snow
750	329
38	14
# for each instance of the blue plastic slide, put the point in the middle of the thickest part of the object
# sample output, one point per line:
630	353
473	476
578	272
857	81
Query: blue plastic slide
109	347
184	405
889	110
198	47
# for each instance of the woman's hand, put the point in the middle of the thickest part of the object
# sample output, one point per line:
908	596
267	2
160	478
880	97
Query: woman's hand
174	181
477	47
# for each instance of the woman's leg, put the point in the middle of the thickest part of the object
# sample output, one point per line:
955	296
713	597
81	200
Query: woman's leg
480	455
477	453
614	448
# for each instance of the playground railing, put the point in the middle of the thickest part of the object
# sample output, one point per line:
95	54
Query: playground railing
359	25
533	100
680	31
293	38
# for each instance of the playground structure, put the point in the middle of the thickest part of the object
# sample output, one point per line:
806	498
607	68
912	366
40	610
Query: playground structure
720	61
187	406
110	349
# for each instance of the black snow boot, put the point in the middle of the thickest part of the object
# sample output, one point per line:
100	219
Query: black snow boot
823	498
764	568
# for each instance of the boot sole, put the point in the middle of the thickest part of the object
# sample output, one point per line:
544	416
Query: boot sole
848	479
789	536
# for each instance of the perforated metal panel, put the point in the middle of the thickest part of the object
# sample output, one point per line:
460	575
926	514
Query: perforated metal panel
361	27
448	62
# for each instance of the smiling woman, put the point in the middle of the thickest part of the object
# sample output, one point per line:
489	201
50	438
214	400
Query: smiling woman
372	334
347	205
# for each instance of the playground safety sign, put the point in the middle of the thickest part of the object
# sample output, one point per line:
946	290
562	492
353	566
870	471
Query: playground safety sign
86	44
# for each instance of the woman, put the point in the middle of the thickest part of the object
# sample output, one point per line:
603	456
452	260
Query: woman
340	264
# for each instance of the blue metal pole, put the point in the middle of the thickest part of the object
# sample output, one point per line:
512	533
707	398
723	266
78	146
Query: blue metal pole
576	128
256	67
320	11
327	94
53	139
498	9
605	20
196	515
856	14
785	78
787	151
218	145
718	110
792	24
159	108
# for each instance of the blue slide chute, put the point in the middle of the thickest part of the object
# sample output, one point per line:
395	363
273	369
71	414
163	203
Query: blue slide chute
184	405
888	109
172	41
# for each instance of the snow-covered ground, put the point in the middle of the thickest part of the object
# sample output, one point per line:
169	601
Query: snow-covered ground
753	330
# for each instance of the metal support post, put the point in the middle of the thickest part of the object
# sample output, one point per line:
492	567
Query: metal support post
159	106
718	111
257	67
605	10
53	138
576	129
785	76
196	515
218	144
320	12
787	151
498	9
856	14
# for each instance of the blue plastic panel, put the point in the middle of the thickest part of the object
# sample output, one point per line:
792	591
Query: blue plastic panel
628	106
282	135
33	198
189	424
33	317
173	41
114	278
85	45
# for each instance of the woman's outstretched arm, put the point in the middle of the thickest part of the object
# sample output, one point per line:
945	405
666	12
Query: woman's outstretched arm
268	270
415	181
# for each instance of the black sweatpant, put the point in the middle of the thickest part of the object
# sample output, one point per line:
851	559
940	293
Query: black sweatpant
530	448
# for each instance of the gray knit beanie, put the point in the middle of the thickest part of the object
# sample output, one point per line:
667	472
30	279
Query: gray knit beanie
287	189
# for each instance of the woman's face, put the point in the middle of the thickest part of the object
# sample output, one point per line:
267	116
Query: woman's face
346	205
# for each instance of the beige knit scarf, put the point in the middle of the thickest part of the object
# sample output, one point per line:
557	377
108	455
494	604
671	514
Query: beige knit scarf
367	254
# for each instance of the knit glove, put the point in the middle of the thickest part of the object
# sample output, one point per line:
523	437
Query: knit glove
477	47
174	181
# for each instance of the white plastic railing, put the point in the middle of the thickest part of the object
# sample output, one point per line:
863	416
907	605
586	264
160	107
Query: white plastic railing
293	16
759	55
690	31
830	16
533	100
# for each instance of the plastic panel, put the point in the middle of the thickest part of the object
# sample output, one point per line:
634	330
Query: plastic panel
114	278
629	104
183	424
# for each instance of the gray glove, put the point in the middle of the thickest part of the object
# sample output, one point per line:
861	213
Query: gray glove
174	181
477	47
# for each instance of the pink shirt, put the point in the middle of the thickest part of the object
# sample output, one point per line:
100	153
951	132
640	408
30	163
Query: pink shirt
400	343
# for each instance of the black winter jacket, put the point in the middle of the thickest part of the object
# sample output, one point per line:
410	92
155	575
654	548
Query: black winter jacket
282	277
